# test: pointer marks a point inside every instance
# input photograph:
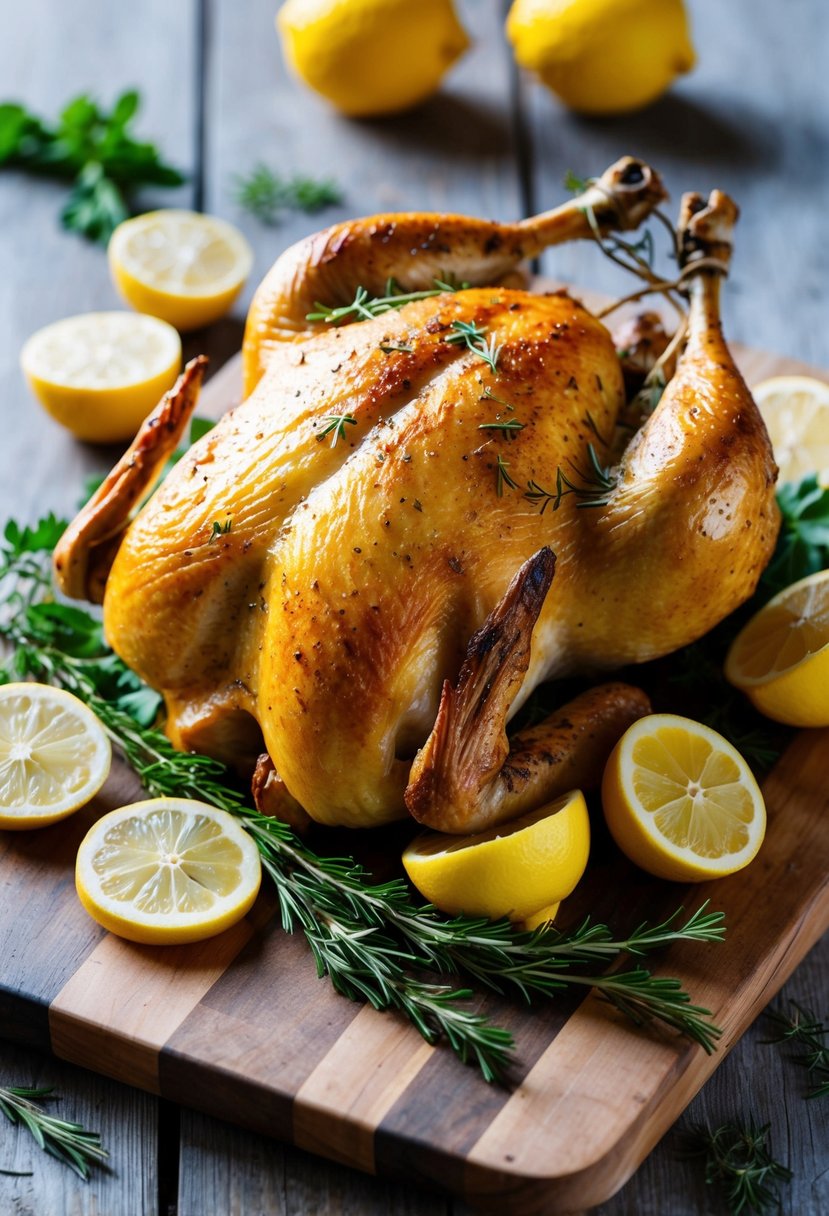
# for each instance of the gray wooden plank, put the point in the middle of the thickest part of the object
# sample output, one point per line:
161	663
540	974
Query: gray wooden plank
454	153
126	1120
752	119
224	1169
46	58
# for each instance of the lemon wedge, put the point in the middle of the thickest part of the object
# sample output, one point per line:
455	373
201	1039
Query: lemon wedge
167	871
795	410
681	802
182	266
780	659
54	755
100	373
519	869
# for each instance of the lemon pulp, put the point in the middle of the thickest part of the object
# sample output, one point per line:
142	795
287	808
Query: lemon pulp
780	659
54	755
167	870
795	410
99	374
182	266
680	801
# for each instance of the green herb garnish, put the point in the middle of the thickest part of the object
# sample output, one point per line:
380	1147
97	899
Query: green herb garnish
219	529
69	1142
335	425
95	151
372	941
364	306
473	336
739	1164
266	194
804	1030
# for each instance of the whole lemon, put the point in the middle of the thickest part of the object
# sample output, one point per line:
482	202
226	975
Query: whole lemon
602	56
371	56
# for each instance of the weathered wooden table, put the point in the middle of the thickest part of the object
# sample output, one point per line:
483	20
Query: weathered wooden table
752	119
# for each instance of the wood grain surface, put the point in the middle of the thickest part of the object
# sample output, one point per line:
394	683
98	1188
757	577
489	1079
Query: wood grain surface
753	116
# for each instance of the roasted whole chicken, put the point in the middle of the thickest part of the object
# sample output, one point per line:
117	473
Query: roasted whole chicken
415	518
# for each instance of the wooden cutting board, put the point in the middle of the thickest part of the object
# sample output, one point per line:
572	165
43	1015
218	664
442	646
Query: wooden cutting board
241	1027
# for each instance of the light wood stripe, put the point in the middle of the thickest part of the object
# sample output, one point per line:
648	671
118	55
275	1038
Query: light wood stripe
125	1001
594	1077
339	1107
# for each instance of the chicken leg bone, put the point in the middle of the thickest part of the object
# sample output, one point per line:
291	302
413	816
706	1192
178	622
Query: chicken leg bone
416	248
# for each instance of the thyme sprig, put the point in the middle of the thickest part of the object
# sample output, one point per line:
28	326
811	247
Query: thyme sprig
802	1028
595	485
739	1163
69	1142
365	306
266	194
335	425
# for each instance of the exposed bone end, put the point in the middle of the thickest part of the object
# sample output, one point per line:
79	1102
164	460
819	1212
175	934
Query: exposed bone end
706	229
626	193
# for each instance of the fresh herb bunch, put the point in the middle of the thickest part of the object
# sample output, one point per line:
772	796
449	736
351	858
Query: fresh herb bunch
266	194
95	151
802	1028
739	1164
69	1142
372	941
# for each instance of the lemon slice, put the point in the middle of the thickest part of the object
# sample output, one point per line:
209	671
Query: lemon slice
54	755
182	266
167	871
780	659
795	410
100	373
518	869
681	802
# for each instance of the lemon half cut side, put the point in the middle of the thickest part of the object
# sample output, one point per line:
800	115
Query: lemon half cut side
795	410
54	755
100	373
167	871
680	800
780	659
520	869
182	266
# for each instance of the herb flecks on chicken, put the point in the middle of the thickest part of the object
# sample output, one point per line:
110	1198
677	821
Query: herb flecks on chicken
333	622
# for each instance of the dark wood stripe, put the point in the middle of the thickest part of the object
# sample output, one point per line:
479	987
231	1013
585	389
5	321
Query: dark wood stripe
246	1049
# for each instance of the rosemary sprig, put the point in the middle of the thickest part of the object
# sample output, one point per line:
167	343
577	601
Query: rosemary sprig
509	428
69	1142
738	1162
803	1029
389	348
502	476
364	306
335	425
472	335
266	194
371	940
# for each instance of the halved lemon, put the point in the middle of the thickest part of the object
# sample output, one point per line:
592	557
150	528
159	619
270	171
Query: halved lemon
54	755
780	659
795	410
182	266
167	871
680	801
100	373
519	869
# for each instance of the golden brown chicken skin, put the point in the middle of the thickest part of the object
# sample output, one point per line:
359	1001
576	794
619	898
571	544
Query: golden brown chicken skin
316	566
